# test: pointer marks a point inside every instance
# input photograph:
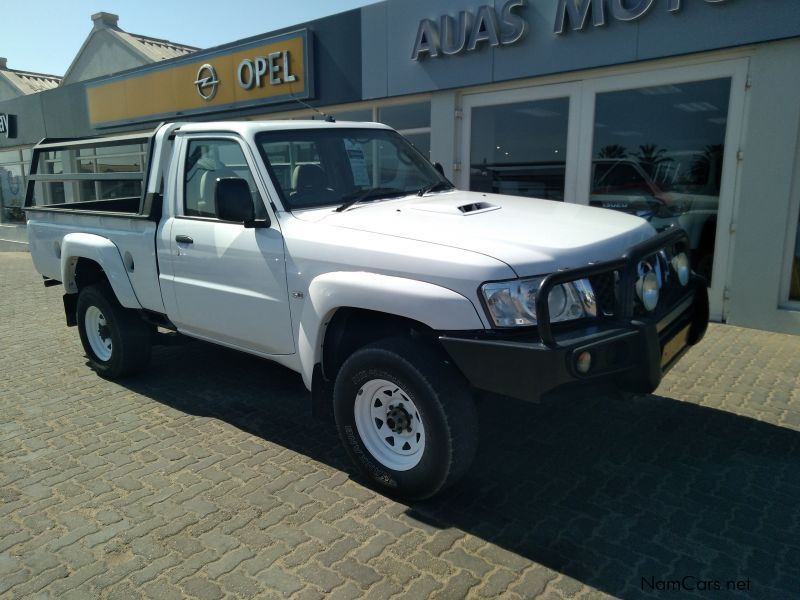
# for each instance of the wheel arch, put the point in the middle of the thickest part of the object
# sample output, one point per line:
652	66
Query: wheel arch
87	259
352	328
387	305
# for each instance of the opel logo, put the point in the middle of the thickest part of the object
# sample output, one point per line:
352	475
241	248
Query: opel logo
207	82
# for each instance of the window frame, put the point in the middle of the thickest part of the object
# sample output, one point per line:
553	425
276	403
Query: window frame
180	199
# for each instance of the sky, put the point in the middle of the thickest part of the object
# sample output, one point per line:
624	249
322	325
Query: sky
43	36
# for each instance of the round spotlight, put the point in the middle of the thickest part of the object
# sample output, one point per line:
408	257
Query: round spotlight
583	362
680	262
647	290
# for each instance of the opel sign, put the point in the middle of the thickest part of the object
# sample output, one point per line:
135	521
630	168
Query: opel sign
274	69
255	73
207	82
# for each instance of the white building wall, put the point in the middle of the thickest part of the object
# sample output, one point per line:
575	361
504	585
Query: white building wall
7	91
103	54
443	131
767	192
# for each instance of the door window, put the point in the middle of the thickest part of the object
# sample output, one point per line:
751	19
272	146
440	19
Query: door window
520	148
207	161
658	153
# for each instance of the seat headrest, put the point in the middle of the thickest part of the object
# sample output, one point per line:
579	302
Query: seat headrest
308	178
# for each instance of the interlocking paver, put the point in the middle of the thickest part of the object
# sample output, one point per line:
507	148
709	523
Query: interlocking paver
275	578
206	477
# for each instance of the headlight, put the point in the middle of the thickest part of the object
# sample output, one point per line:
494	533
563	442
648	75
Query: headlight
513	303
680	262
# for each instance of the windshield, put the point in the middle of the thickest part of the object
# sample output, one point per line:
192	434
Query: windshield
322	167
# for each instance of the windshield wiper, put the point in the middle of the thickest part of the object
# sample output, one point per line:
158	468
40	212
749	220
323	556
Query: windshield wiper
369	194
439	186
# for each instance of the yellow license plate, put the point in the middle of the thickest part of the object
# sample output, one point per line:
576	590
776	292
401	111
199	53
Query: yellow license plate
673	347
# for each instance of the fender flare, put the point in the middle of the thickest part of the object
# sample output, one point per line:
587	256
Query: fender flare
437	307
105	253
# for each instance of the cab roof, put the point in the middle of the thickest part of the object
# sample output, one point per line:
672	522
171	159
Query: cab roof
250	128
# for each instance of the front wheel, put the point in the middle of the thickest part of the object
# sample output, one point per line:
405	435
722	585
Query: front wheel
406	418
116	340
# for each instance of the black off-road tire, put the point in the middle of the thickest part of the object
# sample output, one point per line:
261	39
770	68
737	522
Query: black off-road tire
443	400
130	336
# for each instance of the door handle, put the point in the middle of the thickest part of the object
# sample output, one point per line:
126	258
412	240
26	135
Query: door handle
184	239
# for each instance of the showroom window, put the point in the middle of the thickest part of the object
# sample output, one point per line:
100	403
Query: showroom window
658	153
520	148
14	167
359	114
411	120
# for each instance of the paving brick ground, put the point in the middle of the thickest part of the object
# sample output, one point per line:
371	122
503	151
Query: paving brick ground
207	478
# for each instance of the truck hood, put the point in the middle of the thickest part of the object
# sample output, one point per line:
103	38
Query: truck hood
531	235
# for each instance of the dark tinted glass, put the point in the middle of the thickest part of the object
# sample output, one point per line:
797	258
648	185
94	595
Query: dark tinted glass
406	116
658	154
520	148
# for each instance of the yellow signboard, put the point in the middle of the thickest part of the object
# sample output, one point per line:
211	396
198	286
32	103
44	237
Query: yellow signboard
259	73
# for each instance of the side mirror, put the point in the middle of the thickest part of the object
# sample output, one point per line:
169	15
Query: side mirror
438	166
234	202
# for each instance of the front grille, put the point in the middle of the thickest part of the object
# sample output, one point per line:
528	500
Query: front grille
613	281
670	287
604	286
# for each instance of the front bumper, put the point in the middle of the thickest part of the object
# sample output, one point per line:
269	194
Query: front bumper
630	350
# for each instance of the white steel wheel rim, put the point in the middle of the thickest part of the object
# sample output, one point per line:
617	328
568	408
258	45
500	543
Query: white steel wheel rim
389	424
98	333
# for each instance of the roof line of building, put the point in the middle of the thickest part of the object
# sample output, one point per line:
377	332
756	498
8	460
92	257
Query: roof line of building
32	74
4	67
162	41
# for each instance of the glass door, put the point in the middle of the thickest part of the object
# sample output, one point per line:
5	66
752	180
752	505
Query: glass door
521	142
660	143
663	145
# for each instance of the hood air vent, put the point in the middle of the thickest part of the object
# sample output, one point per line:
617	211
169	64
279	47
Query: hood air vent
472	208
475	207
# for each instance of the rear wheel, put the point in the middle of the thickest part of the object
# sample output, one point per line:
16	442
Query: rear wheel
406	418
116	340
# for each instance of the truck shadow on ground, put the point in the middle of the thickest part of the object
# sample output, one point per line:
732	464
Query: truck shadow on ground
617	493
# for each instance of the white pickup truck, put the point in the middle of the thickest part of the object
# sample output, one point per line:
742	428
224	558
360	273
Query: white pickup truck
339	251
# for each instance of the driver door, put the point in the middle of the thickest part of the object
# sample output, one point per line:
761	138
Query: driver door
229	281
